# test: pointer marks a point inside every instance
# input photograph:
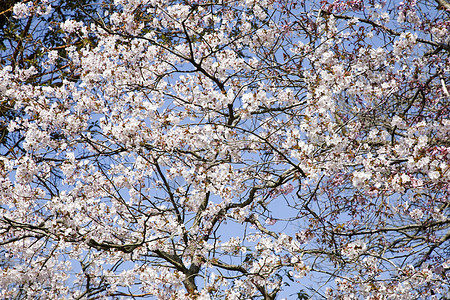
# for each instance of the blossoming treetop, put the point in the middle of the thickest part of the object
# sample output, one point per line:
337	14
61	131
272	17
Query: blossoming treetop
225	150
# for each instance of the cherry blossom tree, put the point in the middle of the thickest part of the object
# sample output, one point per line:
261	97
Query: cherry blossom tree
207	149
25	42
